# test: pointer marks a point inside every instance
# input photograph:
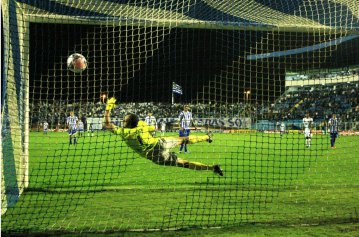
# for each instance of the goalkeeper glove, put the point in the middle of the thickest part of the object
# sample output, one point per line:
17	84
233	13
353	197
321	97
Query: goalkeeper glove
110	103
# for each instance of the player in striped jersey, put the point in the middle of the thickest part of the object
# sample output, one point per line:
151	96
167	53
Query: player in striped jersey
307	127
185	121
72	126
46	127
282	129
163	128
151	120
138	135
333	129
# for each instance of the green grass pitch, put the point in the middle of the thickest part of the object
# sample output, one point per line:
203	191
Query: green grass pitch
100	185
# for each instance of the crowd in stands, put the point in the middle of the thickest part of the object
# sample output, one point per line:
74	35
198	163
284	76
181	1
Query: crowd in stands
56	113
319	75
321	101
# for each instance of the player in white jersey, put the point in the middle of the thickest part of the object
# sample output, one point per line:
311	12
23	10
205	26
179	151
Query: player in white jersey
46	127
163	128
151	120
81	128
282	129
307	129
185	121
71	123
333	129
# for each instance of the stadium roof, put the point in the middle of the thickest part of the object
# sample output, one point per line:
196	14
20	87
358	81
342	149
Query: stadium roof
302	49
281	15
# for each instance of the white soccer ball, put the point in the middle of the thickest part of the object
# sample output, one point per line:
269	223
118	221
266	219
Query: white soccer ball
76	63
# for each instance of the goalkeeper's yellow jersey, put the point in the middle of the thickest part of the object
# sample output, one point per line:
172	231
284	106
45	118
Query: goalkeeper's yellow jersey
139	138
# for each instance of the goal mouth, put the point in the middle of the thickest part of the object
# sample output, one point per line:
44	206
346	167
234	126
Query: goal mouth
221	91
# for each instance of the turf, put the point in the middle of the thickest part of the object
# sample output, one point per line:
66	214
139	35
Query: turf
100	185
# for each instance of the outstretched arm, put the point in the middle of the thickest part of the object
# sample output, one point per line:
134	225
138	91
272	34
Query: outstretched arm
109	106
108	123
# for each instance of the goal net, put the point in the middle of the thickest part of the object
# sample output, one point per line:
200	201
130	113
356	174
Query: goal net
261	80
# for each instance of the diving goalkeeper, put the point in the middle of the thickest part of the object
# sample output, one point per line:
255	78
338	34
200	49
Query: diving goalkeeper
138	135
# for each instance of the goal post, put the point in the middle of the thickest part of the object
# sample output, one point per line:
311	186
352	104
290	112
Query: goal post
14	104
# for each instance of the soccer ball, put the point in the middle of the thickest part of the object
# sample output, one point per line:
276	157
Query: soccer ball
76	63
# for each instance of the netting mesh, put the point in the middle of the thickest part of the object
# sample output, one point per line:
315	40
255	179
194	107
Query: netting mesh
248	70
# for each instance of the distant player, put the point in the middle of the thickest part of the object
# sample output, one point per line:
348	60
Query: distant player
71	123
282	129
307	129
151	120
163	128
90	130
333	130
46	127
185	121
58	126
138	135
81	128
324	128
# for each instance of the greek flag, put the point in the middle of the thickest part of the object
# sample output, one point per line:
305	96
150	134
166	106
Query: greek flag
177	88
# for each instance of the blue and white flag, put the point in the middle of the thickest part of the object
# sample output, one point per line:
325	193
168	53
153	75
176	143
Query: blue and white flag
177	88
